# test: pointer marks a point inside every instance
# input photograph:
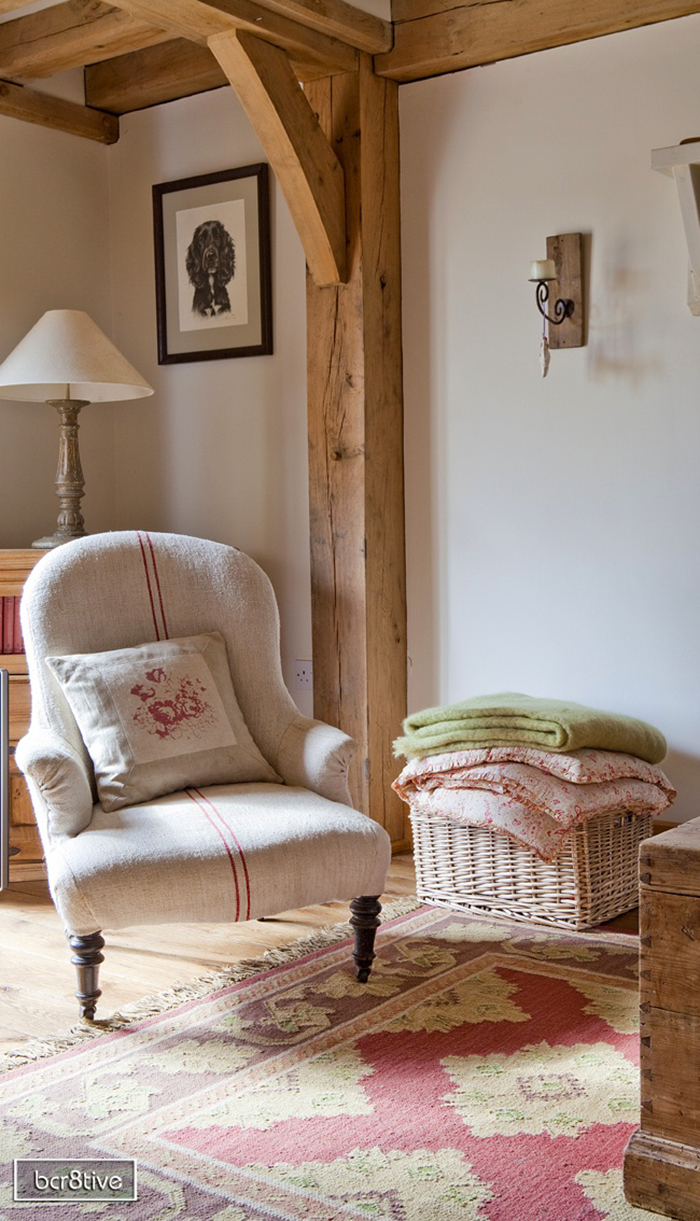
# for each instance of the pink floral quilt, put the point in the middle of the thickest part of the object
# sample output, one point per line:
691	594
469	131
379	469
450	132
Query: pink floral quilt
534	796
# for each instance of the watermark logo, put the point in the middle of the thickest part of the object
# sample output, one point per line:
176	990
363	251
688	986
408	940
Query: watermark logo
46	1180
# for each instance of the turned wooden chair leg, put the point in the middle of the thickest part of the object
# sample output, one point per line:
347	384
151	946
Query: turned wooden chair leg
87	958
365	921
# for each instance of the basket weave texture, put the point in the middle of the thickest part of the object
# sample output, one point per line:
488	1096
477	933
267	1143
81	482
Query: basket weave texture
474	869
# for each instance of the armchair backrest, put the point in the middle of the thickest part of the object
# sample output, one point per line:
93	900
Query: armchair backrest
118	590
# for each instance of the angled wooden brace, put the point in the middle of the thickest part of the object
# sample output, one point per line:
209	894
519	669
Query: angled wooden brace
306	167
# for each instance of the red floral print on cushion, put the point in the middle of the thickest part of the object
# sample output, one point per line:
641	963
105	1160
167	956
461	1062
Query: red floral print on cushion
171	709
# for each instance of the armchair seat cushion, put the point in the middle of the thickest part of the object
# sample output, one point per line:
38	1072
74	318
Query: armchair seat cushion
221	853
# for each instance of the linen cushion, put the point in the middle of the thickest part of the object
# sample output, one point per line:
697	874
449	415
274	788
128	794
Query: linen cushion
160	717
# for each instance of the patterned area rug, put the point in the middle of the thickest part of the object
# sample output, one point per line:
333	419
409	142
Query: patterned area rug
487	1072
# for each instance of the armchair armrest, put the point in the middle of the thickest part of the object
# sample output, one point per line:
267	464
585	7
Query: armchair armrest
316	756
57	773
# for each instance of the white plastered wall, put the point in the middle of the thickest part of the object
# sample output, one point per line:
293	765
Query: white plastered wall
553	525
220	450
54	254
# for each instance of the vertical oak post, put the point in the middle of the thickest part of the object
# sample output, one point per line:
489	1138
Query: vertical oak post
355	394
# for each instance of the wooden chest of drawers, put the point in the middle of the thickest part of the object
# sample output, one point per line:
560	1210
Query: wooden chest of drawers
26	862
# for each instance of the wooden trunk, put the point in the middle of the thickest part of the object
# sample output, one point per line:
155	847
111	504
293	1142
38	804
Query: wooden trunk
662	1161
27	859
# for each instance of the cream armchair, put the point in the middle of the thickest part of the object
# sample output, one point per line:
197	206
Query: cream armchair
226	852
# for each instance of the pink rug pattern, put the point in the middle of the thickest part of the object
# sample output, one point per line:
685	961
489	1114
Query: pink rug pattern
487	1072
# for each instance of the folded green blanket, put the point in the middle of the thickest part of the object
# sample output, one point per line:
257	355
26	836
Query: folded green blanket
511	718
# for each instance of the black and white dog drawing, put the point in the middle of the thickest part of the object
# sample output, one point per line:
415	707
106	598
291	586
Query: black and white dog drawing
210	263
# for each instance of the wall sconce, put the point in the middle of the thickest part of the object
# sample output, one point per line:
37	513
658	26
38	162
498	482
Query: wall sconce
559	277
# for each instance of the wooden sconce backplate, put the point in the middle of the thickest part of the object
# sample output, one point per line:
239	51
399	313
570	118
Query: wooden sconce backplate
566	250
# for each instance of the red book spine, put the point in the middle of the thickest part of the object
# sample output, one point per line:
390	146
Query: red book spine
8	625
19	643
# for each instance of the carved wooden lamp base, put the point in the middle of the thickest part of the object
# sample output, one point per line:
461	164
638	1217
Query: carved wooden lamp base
55	540
66	351
70	482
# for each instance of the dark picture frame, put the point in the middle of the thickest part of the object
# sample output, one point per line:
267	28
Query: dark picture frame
213	265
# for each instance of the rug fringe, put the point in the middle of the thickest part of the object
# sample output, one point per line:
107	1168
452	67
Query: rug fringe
162	1002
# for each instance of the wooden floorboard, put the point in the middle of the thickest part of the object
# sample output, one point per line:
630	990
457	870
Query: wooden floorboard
37	979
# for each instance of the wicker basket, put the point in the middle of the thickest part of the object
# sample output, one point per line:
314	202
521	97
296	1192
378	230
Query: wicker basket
474	869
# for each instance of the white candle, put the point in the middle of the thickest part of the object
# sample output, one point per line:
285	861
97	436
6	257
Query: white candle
543	269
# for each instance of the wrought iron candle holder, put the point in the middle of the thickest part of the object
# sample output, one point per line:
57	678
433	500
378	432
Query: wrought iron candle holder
562	307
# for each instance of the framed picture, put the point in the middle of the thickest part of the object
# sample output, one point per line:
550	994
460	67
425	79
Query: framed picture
213	276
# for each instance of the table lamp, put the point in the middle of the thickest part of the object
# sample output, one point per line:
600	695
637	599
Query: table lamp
68	362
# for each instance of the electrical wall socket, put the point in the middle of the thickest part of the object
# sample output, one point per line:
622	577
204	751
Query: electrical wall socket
303	675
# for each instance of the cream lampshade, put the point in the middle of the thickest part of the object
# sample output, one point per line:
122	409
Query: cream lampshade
68	362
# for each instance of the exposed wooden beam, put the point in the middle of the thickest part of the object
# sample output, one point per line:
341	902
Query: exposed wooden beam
624	14
436	36
335	19
306	167
200	20
21	102
362	30
69	36
175	69
355	405
193	19
172	70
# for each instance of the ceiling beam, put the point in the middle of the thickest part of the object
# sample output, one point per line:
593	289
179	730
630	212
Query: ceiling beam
340	20
203	18
436	36
172	70
321	36
307	170
200	20
69	36
21	102
164	73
